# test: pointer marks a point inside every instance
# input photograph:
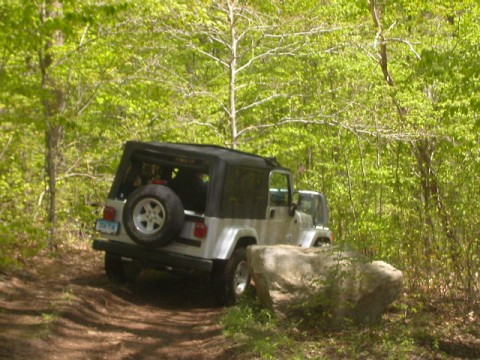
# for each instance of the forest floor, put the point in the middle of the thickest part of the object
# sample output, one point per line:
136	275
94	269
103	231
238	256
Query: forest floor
65	308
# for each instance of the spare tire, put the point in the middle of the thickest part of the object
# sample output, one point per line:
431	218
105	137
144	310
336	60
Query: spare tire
153	215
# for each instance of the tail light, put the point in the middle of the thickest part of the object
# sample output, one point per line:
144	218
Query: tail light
109	213
332	237
200	230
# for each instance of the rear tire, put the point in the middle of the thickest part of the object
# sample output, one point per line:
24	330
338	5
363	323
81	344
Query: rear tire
114	269
231	280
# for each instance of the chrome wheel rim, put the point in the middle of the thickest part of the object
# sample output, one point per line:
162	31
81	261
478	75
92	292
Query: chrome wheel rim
149	216
241	278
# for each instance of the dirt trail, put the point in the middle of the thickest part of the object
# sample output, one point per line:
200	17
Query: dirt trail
66	309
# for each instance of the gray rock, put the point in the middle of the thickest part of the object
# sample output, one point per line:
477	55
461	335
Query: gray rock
326	286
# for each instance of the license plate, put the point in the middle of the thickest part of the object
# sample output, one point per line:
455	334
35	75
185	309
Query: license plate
107	227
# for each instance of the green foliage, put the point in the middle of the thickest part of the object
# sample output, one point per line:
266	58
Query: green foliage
21	219
257	330
408	330
397	163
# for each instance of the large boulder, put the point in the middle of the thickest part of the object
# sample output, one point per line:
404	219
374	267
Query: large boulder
326	286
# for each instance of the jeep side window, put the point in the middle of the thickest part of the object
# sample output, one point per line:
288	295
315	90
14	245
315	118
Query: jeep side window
245	193
279	189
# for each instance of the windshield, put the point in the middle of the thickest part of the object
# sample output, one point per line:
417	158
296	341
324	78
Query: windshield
312	204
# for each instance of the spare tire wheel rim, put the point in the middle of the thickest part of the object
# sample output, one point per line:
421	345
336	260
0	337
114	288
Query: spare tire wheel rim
149	216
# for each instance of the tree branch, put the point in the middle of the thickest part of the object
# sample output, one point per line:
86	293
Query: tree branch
353	128
417	55
9	141
260	102
375	11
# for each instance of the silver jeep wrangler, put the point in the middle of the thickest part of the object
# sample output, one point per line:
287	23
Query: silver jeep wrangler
197	208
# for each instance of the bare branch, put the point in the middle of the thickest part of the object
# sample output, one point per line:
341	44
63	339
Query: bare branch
84	34
374	11
284	121
211	127
412	49
210	95
211	56
356	129
9	141
379	39
312	31
271	52
260	102
67	176
368	53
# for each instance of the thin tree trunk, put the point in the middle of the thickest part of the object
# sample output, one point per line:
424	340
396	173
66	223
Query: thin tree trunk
53	103
423	151
376	12
233	72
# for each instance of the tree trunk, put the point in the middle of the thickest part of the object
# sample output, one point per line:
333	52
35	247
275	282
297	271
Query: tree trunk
233	72
376	12
53	103
423	151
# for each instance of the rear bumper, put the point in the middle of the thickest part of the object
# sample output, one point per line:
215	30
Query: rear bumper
152	257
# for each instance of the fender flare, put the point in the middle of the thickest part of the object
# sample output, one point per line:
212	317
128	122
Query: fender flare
310	236
229	239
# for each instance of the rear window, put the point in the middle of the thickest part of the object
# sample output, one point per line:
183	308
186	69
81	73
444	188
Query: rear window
188	178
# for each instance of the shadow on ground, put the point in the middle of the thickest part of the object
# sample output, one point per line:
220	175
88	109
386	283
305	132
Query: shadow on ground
67	309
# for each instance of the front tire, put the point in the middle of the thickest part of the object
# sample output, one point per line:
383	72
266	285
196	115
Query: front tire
322	242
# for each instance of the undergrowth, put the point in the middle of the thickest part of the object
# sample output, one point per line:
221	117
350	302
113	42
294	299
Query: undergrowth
409	330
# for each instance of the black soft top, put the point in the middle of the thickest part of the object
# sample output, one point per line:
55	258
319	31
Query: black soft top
220	162
209	153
